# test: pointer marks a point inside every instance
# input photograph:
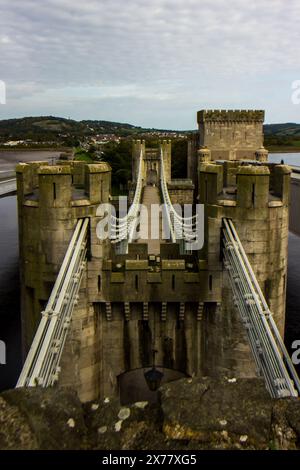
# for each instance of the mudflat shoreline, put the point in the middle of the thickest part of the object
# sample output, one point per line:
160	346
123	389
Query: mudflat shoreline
9	158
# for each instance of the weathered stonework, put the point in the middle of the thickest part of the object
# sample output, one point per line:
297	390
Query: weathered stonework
181	191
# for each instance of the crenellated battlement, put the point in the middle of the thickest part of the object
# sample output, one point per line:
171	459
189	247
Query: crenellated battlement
244	184
236	115
63	184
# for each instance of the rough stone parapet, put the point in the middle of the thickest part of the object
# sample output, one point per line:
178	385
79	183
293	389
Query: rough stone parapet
101	167
54	170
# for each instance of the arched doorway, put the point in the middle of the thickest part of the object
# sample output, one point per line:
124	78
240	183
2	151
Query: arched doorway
133	387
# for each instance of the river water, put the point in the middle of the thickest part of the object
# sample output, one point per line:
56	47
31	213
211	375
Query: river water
9	283
10	326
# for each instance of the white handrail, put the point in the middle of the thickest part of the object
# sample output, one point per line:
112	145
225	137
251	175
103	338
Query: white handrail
42	363
123	228
180	227
264	338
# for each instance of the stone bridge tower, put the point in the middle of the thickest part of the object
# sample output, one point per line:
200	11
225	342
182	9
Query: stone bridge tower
229	135
151	161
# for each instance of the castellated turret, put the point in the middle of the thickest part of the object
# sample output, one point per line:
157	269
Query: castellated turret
50	201
256	197
229	135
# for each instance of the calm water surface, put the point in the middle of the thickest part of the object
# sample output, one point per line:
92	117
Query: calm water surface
10	330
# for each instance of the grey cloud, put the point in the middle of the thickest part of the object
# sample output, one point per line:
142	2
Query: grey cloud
183	52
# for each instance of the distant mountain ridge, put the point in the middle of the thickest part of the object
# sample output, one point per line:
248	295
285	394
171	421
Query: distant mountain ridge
286	129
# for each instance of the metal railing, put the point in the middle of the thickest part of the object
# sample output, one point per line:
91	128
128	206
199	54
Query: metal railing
123	229
181	228
270	354
42	363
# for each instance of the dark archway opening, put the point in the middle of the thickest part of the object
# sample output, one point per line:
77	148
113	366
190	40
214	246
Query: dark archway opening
133	387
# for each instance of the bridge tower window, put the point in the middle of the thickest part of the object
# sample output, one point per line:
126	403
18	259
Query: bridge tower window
210	282
253	194
54	190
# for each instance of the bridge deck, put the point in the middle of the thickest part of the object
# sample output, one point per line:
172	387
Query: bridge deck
151	196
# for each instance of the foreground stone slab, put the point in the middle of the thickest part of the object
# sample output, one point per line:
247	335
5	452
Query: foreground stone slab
44	419
228	413
193	413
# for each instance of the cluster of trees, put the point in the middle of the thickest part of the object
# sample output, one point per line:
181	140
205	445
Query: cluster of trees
83	155
118	155
179	158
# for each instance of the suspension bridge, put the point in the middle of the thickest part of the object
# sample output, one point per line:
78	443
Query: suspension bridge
42	365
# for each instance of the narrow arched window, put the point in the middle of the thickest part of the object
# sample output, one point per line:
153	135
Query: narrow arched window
210	282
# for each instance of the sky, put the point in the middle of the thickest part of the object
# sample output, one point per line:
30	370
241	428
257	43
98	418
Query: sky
149	63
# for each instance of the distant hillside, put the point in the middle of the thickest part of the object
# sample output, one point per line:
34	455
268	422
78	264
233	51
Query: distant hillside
282	136
60	130
287	129
50	130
